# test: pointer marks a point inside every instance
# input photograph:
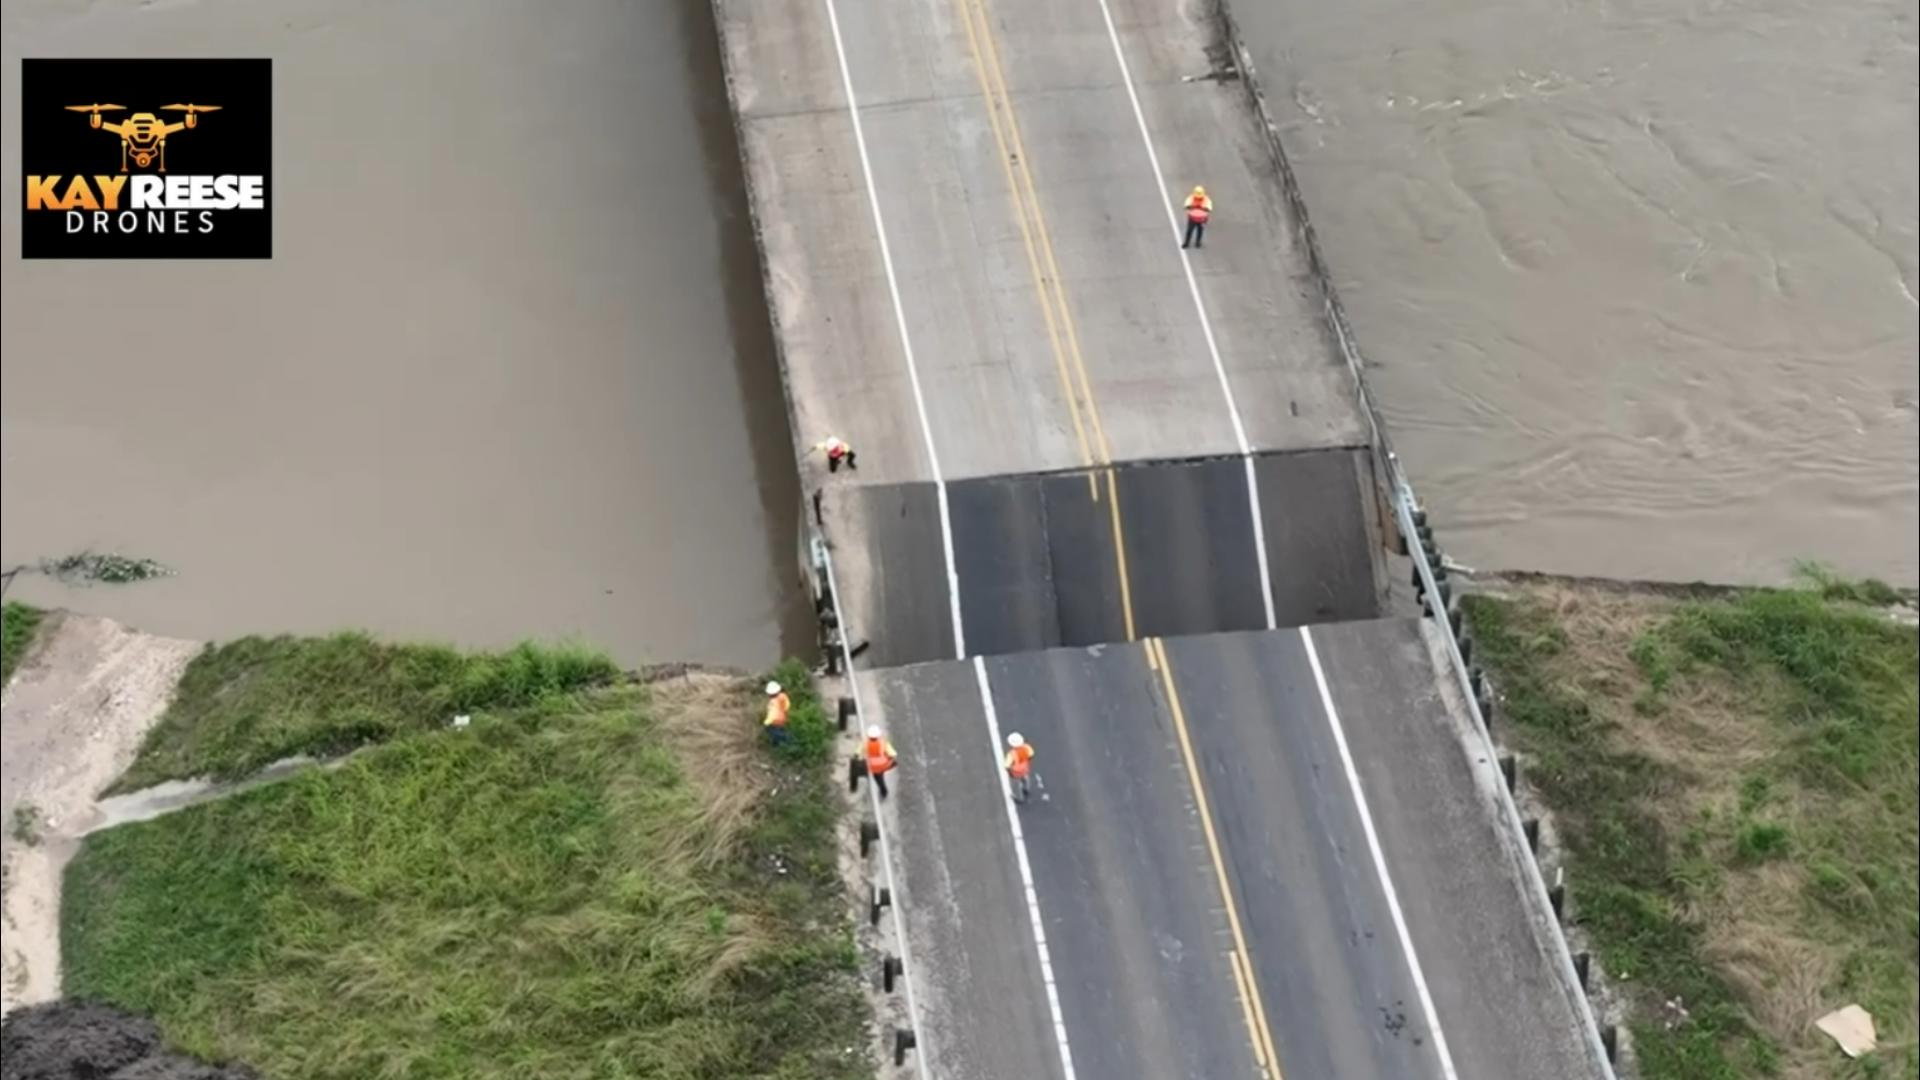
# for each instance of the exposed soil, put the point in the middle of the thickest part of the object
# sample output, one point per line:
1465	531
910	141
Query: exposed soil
74	715
78	1040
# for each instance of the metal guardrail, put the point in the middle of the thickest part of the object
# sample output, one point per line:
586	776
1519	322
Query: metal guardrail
1409	517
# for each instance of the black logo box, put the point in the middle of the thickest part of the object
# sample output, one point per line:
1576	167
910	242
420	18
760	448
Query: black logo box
236	140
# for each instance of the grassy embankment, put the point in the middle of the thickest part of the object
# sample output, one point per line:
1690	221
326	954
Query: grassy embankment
1735	778
549	892
17	625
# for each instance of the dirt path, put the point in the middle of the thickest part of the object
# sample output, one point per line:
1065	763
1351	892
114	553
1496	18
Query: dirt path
74	715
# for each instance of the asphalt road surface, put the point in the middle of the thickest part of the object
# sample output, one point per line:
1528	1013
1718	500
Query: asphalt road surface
1151	907
1083	558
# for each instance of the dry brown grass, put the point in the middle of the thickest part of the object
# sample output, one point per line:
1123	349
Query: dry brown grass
708	721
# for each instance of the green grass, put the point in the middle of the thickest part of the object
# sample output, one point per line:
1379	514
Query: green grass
18	622
547	893
251	702
1828	689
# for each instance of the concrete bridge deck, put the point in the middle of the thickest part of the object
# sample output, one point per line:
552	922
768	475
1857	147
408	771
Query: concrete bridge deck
1071	432
1129	893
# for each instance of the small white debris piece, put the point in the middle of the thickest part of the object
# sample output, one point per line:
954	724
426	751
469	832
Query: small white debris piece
1851	1027
462	720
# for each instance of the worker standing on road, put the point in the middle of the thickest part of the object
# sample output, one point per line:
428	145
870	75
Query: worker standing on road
880	759
1199	208
776	722
1019	763
838	452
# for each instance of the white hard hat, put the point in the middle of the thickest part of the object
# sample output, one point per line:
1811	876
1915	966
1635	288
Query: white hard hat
1015	739
773	688
873	732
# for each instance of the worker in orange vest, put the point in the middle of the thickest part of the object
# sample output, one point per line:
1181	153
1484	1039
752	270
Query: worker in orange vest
839	452
880	759
778	705
1019	765
1199	208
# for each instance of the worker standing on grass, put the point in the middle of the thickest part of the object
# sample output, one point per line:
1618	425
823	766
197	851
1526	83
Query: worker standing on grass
880	759
838	452
1019	765
778	705
1199	208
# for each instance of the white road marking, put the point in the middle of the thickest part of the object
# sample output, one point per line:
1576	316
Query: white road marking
923	1050
1206	324
1026	872
1379	861
906	340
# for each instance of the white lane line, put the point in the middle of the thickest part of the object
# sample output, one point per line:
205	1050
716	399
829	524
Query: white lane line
923	1050
1380	861
906	340
1199	305
1026	873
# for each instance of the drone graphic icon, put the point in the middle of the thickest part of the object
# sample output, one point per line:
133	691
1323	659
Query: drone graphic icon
143	136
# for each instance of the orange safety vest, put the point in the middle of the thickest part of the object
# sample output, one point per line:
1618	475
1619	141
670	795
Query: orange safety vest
880	756
777	706
1020	761
1199	210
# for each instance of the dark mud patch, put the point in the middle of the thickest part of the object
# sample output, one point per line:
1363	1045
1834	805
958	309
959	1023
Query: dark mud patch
81	1040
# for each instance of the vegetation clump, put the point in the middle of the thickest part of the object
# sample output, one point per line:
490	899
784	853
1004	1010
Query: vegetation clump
18	623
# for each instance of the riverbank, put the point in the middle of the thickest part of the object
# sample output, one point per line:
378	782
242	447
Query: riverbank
1733	774
592	873
75	710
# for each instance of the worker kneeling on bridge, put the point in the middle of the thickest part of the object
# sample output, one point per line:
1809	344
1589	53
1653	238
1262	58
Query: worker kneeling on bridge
1199	208
881	758
838	451
1019	765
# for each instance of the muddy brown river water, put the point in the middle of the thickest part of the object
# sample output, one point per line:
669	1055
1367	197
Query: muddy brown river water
1637	277
509	372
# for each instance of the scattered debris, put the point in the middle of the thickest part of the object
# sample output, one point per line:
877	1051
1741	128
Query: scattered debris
1851	1027
90	567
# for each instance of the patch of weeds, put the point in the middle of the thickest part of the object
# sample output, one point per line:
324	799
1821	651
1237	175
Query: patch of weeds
810	733
1871	592
25	827
1761	842
18	624
245	704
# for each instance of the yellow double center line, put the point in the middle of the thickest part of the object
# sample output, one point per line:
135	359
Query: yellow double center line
1239	958
1095	452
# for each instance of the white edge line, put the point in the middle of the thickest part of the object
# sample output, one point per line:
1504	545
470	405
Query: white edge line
922	1048
1380	861
1199	305
1026	872
906	340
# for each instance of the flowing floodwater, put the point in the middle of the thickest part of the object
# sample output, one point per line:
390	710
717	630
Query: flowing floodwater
1636	277
508	374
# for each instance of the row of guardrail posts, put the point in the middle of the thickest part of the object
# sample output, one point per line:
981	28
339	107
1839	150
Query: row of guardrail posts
1442	603
839	654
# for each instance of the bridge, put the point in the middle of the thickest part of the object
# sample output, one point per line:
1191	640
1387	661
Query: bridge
1129	500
